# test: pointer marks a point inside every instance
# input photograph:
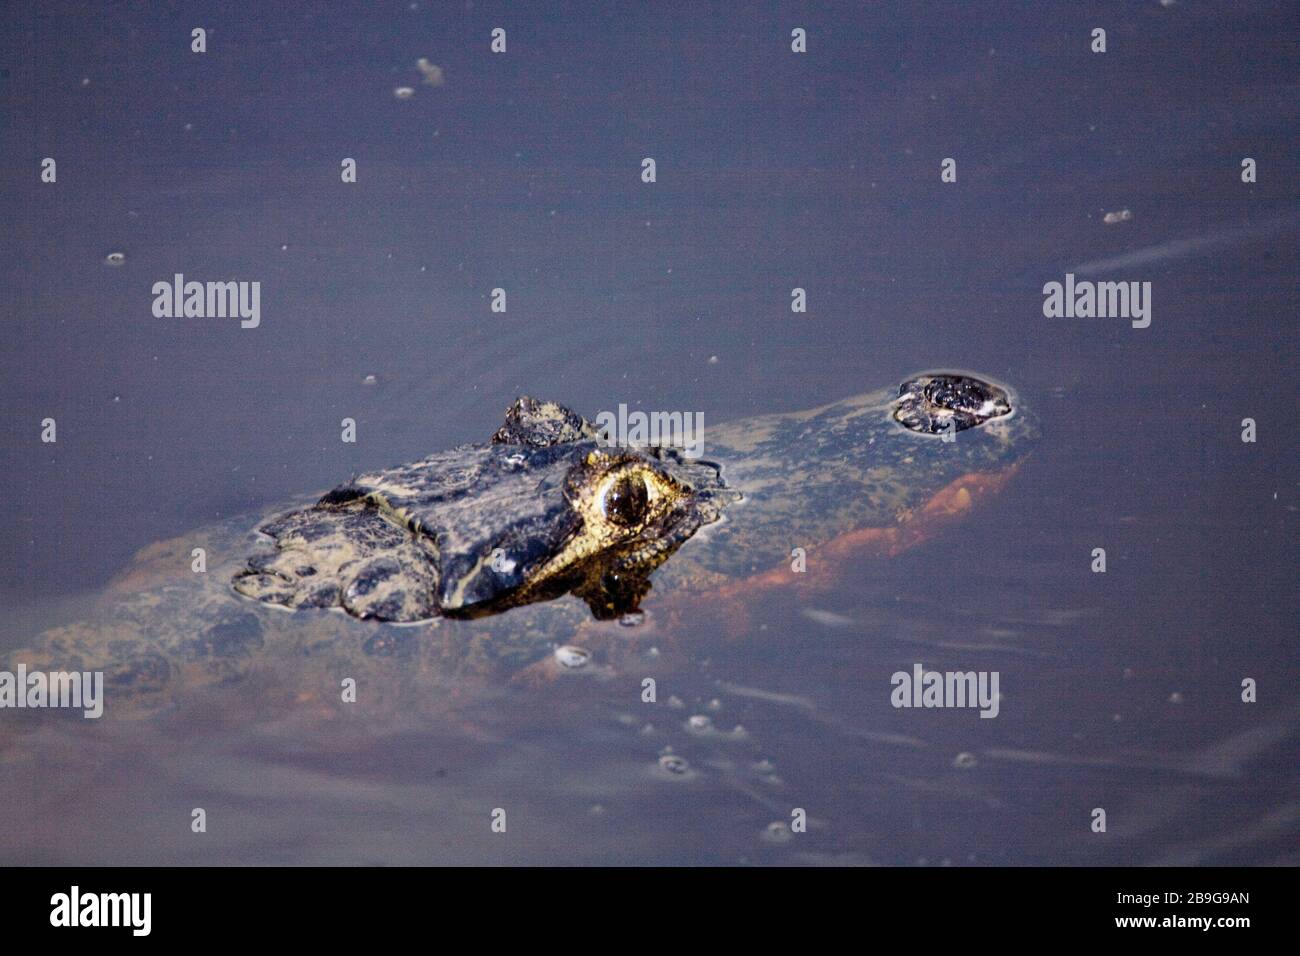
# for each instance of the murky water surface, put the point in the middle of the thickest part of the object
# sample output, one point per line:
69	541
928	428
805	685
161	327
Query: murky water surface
1120	691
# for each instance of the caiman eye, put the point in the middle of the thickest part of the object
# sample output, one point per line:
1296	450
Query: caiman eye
626	500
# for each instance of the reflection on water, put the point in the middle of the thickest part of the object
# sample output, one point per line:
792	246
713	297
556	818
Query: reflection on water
1120	691
793	715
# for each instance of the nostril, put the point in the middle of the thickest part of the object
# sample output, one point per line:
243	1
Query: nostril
934	404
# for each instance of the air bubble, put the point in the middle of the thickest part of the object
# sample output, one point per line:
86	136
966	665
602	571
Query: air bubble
572	657
778	832
115	258
404	92
673	764
964	761
433	74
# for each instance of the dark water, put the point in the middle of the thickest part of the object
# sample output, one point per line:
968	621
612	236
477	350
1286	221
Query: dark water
774	170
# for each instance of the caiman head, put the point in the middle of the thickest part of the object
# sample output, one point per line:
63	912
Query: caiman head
547	507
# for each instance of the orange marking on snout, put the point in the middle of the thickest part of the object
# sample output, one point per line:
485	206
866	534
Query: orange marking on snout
828	563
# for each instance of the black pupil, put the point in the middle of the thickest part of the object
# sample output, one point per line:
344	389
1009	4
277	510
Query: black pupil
625	502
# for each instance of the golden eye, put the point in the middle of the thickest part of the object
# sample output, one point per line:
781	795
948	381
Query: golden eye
626	500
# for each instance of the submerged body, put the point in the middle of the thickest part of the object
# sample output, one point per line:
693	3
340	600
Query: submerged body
480	563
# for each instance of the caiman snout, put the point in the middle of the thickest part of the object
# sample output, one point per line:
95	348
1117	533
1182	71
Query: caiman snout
942	402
